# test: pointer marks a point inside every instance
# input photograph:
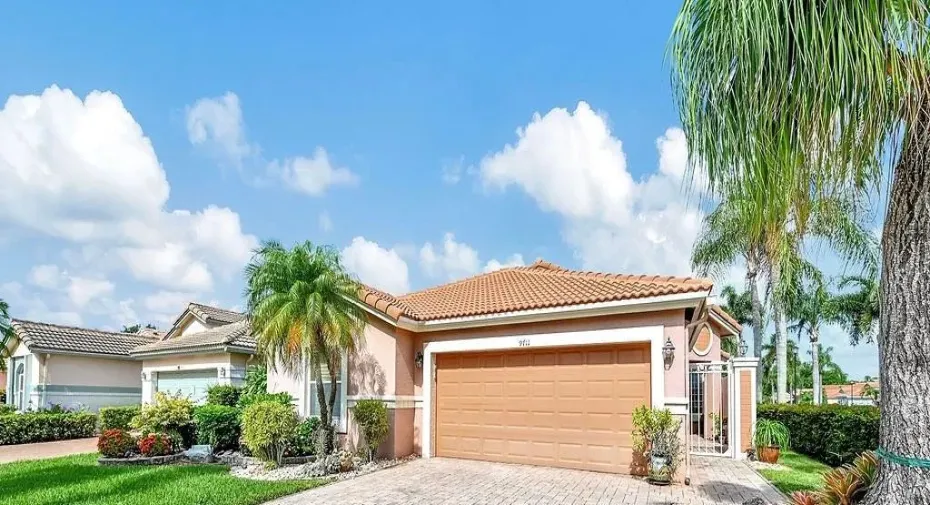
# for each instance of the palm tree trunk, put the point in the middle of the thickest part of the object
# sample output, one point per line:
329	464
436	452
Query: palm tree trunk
903	346
751	278
317	366
781	343
334	366
815	364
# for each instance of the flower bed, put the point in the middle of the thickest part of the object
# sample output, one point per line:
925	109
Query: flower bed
141	460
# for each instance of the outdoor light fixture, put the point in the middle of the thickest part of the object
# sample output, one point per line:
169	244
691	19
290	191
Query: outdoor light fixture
668	351
143	375
222	372
418	359
742	348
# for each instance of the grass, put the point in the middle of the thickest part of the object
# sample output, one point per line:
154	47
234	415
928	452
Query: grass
801	473
78	480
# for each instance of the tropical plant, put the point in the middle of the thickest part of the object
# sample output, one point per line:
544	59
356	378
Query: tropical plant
6	334
305	437
302	306
846	485
858	311
813	307
256	380
167	414
648	421
155	444
769	433
267	429
769	365
829	93
372	418
738	305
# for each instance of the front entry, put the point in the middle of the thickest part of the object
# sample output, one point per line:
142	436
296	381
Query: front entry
711	404
562	407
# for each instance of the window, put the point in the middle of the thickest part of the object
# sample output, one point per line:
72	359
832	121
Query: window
20	386
341	411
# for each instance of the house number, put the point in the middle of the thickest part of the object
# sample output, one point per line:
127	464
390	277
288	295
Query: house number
523	342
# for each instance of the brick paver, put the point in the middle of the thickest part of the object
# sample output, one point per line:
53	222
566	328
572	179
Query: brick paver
11	453
451	481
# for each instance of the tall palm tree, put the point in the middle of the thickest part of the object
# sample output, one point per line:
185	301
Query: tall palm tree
859	311
301	308
769	377
829	92
6	334
738	305
815	306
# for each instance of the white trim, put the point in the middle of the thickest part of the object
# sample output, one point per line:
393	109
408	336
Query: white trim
654	303
676	400
186	367
391	401
723	322
654	335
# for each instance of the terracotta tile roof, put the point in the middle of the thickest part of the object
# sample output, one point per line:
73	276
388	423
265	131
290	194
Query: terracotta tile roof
847	390
54	337
537	286
716	309
236	334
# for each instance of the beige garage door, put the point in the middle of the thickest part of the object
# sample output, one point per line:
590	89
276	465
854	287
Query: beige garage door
569	408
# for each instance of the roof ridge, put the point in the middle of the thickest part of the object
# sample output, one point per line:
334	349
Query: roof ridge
214	307
15	321
591	274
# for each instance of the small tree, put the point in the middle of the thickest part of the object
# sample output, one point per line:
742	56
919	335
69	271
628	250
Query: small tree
267	428
372	419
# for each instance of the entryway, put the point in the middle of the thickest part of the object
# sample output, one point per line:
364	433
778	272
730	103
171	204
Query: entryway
711	407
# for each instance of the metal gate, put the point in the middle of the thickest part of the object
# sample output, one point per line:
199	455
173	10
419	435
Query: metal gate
711	405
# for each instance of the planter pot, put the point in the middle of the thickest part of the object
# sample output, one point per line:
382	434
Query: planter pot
769	454
659	471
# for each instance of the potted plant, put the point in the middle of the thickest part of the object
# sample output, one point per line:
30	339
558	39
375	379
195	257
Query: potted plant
655	436
769	439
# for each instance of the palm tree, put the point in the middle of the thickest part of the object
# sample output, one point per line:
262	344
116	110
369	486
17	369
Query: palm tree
829	93
814	307
6	334
738	305
769	362
859	311
301	306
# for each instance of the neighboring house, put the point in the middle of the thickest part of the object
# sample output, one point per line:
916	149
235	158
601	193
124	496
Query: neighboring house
72	367
856	393
536	364
205	346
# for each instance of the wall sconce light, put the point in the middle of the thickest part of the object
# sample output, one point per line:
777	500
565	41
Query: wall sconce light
668	351
418	359
742	348
222	372
143	375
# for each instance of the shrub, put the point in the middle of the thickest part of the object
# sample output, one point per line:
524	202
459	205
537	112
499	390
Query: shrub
115	443
256	380
156	444
304	442
172	415
218	426
7	409
834	434
845	485
223	394
247	400
267	428
44	427
655	433
372	419
117	417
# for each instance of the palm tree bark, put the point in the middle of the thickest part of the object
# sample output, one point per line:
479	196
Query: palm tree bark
781	344
815	364
903	346
317	368
751	279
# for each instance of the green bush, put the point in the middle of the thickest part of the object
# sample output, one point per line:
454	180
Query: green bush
247	400
218	426
834	434
372	419
117	417
223	394
168	414
45	427
256	380
304	442
7	409
267	429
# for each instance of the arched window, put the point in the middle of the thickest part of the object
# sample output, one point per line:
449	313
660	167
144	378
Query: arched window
19	385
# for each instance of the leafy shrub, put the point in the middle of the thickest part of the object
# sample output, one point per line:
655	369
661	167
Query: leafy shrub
115	443
372	419
267	428
223	394
168	414
218	426
771	433
304	441
834	434
156	444
117	417
31	427
845	485
7	409
655	433
256	380
247	400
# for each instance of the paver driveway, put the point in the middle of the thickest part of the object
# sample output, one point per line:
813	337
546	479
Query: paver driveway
452	481
42	450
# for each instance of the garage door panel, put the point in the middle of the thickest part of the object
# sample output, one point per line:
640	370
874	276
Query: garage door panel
570	408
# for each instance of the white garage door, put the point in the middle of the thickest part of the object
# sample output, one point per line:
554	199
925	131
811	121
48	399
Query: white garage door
192	384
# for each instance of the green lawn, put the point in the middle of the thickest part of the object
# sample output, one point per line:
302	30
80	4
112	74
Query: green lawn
78	480
803	473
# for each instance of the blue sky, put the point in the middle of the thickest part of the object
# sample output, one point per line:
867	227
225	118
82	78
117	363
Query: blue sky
150	148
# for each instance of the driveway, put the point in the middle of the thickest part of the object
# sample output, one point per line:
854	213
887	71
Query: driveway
43	450
453	481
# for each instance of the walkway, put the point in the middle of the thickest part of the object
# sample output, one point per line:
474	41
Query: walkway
451	481
11	453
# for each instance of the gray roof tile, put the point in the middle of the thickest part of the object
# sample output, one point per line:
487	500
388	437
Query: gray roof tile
215	315
235	334
54	337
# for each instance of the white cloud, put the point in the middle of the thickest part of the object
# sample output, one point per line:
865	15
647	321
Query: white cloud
33	308
381	268
453	261
45	276
515	260
312	175
84	171
82	290
216	123
570	163
171	302
79	290
326	224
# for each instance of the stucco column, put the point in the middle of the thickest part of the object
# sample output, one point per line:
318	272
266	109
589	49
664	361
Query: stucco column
148	385
743	421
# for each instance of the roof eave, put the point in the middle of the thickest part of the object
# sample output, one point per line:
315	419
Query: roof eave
726	324
199	349
50	350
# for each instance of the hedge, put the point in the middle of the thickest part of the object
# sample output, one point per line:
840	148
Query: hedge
218	426
117	417
44	427
223	394
834	434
